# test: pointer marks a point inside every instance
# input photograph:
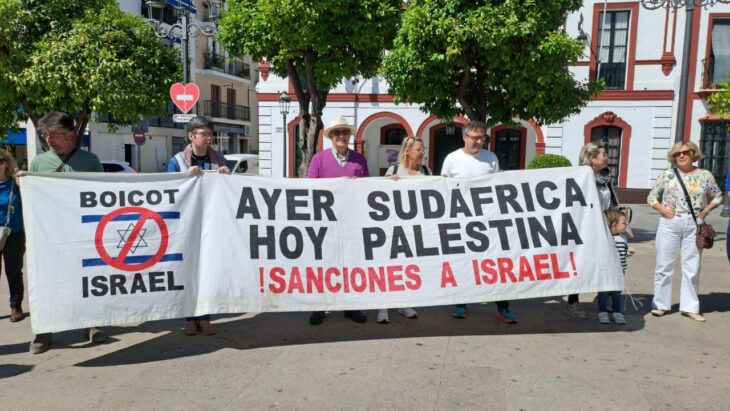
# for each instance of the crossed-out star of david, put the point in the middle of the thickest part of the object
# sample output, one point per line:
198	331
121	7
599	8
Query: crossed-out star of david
124	235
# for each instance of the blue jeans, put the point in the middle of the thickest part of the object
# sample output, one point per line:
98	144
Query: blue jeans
615	301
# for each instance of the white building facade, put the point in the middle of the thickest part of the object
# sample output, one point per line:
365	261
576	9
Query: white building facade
640	60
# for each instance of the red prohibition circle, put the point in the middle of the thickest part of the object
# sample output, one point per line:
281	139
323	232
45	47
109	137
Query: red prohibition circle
118	261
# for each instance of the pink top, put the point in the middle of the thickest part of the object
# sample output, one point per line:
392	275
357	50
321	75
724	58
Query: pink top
325	165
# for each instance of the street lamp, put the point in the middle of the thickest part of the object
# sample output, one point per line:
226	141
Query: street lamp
183	29
684	76
284	101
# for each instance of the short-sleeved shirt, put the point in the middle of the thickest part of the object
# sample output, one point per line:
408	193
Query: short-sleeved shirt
700	184
81	161
462	165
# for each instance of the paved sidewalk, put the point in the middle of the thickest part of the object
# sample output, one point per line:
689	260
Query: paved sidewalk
267	361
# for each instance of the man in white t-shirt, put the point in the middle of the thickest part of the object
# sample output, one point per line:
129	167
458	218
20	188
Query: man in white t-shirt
468	162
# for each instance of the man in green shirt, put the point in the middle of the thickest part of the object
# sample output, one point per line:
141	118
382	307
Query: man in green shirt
61	143
58	130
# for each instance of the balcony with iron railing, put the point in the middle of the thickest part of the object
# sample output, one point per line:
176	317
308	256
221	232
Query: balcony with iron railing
239	69
215	61
220	109
614	74
209	15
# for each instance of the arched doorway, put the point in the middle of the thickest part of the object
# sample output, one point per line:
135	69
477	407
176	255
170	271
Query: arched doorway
391	135
610	137
508	143
441	144
615	134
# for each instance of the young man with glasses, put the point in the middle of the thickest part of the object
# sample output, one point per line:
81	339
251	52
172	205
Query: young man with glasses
197	157
469	162
340	161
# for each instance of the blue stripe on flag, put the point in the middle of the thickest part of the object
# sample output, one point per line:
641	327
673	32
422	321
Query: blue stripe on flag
170	215
135	259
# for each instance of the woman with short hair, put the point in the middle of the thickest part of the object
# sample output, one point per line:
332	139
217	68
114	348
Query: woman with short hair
677	228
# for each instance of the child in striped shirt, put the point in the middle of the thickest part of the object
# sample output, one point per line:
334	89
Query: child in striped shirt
618	225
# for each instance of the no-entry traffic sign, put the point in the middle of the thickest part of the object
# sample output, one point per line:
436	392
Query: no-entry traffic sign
139	137
184	96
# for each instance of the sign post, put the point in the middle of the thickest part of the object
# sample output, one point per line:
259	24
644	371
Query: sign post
139	140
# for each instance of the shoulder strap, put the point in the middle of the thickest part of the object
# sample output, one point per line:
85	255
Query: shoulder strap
10	201
686	194
424	170
66	160
180	157
614	197
395	168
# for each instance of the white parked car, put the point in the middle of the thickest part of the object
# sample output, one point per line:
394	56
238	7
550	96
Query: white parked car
247	164
114	166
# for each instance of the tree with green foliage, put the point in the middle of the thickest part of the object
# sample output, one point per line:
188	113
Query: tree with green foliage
80	56
316	44
490	60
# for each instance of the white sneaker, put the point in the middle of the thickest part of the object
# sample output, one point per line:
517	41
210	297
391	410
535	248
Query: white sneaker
618	318
383	317
603	318
408	312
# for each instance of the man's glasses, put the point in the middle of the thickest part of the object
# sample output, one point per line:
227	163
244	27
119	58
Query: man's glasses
344	132
477	139
206	134
55	134
682	153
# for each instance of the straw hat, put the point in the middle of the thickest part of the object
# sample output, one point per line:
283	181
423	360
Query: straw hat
336	124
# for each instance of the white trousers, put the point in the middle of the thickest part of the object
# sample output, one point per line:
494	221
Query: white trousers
672	237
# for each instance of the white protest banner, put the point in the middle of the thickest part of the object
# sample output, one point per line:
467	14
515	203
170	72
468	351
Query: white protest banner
111	249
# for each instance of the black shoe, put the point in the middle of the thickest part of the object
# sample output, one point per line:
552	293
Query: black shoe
316	318
41	343
356	316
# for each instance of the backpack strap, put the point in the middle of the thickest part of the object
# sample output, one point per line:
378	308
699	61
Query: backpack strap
180	158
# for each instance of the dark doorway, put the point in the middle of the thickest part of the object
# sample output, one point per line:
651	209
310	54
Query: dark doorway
128	153
295	152
610	137
443	144
508	148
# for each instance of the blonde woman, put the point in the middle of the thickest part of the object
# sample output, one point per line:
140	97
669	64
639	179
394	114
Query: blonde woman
594	156
410	163
677	228
11	215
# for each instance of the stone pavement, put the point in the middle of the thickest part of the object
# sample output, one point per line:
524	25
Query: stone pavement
265	361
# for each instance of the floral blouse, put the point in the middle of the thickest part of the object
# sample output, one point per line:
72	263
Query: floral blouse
700	184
